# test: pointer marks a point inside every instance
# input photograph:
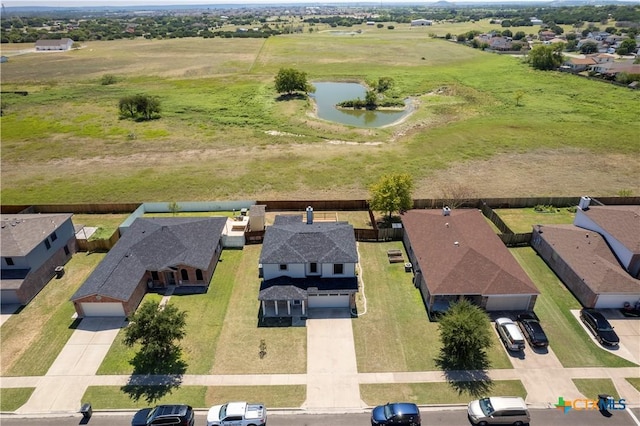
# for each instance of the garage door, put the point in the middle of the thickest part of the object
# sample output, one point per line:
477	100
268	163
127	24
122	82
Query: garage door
103	309
507	303
329	301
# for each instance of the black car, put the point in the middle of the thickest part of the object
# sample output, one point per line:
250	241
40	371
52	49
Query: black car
397	413
532	330
599	326
179	415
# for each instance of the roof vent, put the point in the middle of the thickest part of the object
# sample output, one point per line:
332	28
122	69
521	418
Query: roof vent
446	211
456	243
309	215
446	224
584	203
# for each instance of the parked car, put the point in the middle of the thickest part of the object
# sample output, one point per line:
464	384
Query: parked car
532	330
237	414
599	327
396	413
510	334
499	410
178	414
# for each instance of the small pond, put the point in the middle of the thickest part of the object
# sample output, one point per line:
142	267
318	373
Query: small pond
329	94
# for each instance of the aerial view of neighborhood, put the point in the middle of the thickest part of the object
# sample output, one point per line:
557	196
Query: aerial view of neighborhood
312	214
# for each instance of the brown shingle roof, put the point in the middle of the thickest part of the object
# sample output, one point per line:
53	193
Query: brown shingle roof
621	222
478	264
590	257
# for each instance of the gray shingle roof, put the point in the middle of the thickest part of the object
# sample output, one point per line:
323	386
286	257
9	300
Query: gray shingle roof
283	288
289	240
153	245
21	233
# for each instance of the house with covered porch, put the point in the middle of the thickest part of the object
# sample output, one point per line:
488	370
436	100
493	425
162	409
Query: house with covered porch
307	264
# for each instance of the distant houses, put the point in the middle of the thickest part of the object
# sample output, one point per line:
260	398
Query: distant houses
421	23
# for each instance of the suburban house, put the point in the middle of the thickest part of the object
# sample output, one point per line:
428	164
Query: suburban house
456	255
60	44
32	247
307	264
598	257
154	254
579	64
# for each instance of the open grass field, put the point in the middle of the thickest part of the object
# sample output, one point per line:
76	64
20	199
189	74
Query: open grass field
225	134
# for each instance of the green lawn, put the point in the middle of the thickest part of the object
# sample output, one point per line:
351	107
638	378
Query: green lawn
635	382
202	397
33	338
567	338
396	315
591	388
432	393
13	398
521	220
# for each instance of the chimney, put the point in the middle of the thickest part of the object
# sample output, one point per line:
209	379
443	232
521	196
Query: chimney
584	203
446	211
309	215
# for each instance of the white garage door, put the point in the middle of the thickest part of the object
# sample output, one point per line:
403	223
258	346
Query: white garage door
103	309
507	303
329	301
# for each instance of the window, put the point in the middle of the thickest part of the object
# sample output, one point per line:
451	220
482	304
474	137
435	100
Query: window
338	268
154	275
47	244
9	261
199	276
53	236
66	251
283	267
313	268
184	274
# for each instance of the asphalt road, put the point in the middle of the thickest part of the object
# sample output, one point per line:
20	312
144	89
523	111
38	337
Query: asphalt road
548	417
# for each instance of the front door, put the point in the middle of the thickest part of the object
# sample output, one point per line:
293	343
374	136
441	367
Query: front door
170	278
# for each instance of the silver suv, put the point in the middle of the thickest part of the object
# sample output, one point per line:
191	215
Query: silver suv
510	334
499	410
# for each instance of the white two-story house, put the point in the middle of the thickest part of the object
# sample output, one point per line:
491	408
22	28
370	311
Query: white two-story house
306	264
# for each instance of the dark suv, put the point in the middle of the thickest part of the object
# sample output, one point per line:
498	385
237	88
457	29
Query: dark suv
397	413
532	330
599	326
179	415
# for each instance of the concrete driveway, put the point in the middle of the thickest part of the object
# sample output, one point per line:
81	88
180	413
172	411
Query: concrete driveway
627	329
332	372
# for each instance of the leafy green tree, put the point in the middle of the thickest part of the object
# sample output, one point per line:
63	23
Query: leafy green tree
519	35
289	80
465	333
139	106
157	330
546	57
392	193
589	47
626	47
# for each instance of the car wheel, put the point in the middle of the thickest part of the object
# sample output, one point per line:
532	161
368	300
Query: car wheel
482	424
517	424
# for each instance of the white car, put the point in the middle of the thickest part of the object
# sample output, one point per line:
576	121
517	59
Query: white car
510	334
237	414
499	410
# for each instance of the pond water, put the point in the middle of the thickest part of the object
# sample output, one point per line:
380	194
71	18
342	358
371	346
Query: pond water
329	94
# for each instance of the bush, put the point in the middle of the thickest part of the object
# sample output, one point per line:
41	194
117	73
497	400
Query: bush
108	79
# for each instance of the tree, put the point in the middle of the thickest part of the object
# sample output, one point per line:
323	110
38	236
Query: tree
289	80
518	96
392	193
626	47
545	57
589	47
157	330
465	333
174	207
455	194
139	106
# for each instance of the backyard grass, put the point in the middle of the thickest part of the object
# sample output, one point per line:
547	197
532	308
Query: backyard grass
432	393
219	106
33	338
13	398
567	338
591	388
395	314
202	397
522	220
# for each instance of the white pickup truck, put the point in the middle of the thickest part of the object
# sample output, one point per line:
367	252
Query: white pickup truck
237	414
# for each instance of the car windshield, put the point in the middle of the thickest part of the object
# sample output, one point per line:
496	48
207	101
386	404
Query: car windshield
388	411
485	405
602	324
223	411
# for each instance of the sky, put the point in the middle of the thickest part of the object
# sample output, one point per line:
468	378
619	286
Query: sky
116	3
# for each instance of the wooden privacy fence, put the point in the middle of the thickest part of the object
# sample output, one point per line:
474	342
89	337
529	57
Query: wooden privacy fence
99	245
382	234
